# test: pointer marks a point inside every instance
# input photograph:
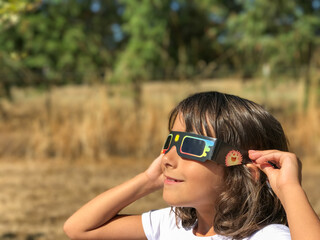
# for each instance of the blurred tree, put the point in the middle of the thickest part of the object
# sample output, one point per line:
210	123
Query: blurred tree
282	34
73	41
190	39
145	25
297	46
166	39
64	41
10	13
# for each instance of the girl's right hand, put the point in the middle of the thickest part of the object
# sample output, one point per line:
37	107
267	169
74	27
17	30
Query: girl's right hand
287	174
285	181
155	174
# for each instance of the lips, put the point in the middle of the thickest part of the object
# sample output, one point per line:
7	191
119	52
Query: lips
170	180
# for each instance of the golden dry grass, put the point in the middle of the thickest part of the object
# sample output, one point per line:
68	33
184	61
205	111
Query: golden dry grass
97	122
58	154
37	197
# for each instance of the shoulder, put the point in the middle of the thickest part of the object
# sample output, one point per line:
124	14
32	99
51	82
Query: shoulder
164	214
272	231
156	222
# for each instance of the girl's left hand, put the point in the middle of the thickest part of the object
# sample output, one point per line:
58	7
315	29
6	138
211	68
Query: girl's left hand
154	173
288	174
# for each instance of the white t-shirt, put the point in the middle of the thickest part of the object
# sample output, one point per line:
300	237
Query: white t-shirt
161	225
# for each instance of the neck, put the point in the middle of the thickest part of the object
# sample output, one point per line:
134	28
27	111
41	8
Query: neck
205	222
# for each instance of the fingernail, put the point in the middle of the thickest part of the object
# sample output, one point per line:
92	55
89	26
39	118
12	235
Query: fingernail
264	166
252	151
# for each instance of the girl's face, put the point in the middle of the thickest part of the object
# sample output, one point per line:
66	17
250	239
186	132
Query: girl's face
190	183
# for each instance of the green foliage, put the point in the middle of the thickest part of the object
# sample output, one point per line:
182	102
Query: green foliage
73	41
145	24
279	33
10	10
60	42
167	39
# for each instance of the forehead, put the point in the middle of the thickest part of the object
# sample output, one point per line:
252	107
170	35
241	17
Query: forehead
205	129
179	124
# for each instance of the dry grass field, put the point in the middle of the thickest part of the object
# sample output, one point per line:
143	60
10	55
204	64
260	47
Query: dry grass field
36	198
60	150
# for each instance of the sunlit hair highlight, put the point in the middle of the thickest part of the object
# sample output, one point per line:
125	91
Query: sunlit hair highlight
245	205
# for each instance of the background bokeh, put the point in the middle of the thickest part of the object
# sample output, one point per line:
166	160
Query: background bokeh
86	87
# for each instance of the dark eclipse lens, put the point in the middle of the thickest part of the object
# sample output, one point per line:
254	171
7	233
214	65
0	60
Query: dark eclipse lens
193	146
167	143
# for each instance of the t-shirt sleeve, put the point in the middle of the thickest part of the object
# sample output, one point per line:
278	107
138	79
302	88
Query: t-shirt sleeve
157	221
273	231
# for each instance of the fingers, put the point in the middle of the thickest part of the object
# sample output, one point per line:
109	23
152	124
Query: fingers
154	171
277	163
272	157
265	159
264	156
159	157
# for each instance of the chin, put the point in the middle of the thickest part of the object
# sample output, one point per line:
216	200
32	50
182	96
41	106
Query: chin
174	201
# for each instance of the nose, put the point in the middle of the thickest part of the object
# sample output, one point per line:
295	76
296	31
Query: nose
171	158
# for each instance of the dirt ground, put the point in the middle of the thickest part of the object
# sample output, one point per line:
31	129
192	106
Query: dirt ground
37	197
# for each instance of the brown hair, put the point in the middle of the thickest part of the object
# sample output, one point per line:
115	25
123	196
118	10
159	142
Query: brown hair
245	205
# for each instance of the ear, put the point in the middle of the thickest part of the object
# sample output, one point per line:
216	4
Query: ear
254	170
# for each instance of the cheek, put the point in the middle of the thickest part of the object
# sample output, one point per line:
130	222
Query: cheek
216	175
207	180
209	183
203	183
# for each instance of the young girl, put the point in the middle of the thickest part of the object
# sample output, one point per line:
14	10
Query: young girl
216	186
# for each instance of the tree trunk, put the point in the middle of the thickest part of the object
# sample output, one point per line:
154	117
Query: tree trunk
307	78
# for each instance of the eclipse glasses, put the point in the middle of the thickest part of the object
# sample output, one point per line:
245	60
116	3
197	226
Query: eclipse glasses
201	148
